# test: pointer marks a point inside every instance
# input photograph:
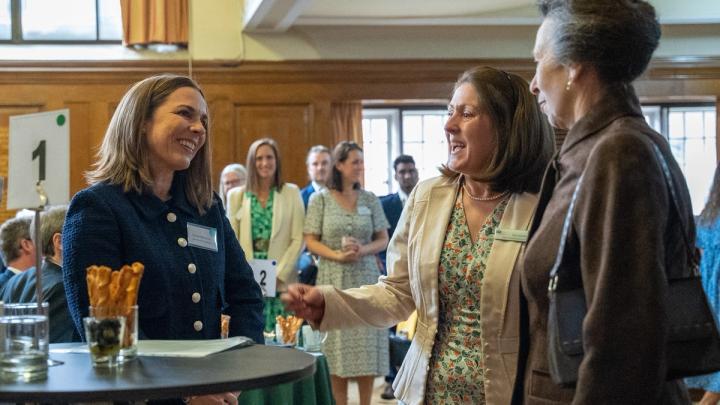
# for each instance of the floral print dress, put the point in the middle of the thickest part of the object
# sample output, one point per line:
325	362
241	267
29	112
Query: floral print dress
456	373
261	220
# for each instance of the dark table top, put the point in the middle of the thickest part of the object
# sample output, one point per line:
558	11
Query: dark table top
164	377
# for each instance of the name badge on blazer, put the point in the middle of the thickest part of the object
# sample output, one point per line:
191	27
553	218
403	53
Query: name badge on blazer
363	210
513	235
202	237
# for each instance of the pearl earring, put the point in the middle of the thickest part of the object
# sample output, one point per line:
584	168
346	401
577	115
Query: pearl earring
567	86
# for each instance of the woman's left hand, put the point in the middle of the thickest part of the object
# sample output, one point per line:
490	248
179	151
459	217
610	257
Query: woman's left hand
229	398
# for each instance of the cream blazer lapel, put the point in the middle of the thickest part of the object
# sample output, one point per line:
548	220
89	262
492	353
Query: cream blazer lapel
500	295
430	234
278	212
242	218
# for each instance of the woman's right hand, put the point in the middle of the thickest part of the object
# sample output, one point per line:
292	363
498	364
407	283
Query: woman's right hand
347	256
306	301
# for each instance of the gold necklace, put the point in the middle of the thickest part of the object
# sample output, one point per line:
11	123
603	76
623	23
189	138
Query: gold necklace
490	198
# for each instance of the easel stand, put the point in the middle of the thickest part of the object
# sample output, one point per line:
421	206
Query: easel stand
43	199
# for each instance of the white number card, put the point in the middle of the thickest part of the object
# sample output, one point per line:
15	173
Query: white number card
266	275
39	149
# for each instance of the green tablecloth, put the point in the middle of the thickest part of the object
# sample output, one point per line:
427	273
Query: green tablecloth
313	390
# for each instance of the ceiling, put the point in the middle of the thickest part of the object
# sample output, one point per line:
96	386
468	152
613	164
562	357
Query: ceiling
280	15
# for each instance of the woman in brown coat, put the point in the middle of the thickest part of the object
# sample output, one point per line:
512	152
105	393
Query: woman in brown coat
625	232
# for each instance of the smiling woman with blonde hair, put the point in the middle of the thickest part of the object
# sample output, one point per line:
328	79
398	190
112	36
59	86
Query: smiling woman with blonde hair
150	194
267	216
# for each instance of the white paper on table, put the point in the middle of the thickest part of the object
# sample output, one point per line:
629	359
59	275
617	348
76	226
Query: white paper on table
174	348
265	272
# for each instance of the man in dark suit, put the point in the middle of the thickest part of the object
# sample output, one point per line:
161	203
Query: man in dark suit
318	167
407	177
21	288
16	247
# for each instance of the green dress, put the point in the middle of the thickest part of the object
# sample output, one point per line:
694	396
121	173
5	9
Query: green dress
456	374
261	220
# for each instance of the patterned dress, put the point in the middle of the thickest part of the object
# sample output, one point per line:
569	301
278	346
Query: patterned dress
355	352
261	220
708	239
456	368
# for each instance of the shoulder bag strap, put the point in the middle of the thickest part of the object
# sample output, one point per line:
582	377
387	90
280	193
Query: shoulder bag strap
564	237
692	257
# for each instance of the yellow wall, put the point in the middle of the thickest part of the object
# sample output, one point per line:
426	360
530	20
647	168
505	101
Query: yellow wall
216	34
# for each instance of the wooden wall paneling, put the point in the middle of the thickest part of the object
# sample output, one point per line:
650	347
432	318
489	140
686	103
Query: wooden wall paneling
290	125
6	111
222	134
289	100
88	123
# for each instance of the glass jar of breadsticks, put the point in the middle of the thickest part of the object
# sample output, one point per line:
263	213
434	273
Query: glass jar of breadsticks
286	329
114	293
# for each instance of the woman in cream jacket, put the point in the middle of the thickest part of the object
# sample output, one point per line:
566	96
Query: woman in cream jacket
267	216
455	249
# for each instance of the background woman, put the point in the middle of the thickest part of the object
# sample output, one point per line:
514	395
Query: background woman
446	259
267	217
150	185
346	227
708	239
233	175
588	53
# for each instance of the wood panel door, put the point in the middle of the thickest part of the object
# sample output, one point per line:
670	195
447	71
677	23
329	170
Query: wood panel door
290	125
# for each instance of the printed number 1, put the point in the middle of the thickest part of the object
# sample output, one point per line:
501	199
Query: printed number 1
39	153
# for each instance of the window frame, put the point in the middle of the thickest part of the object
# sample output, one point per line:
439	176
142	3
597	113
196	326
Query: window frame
396	136
16	34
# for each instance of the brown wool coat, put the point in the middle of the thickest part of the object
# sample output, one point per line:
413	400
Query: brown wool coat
625	234
412	283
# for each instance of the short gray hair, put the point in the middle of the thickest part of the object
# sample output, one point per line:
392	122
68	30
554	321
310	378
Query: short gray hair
237	168
316	149
12	232
616	37
51	222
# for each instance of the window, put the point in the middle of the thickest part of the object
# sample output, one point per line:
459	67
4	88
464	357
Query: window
691	131
389	132
67	21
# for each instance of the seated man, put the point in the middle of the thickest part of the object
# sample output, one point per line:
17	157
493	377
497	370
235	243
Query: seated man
21	288
16	247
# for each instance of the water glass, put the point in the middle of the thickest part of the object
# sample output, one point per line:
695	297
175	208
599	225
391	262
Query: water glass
311	340
24	332
104	336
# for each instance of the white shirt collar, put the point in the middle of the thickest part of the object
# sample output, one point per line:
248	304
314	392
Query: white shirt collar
403	196
14	270
317	186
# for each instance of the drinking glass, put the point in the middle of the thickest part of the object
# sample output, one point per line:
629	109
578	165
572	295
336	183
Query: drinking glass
104	337
128	347
24	332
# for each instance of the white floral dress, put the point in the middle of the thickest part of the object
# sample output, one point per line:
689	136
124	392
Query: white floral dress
359	351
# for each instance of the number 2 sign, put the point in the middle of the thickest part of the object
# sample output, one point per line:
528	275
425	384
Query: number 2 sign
39	150
265	272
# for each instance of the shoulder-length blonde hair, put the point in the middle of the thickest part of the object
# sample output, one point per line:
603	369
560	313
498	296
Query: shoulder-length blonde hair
123	156
253	182
525	141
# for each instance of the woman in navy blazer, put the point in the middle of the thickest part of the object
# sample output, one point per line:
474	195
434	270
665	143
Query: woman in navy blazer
151	201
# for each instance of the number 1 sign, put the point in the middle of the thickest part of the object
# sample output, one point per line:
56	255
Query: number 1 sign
39	149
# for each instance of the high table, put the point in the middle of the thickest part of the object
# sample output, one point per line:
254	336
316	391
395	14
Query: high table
313	390
163	377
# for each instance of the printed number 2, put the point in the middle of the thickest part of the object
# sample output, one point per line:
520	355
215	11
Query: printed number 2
39	153
263	275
